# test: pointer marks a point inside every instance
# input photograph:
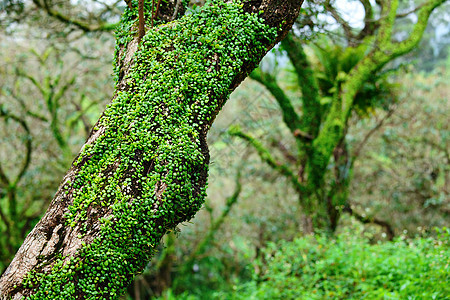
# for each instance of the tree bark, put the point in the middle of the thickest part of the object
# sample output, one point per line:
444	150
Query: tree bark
143	169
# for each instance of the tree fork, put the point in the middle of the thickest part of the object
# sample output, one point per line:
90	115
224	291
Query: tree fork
143	169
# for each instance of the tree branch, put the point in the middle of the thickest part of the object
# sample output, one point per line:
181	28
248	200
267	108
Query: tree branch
28	149
371	220
267	157
370	25
86	27
347	29
415	36
290	117
366	138
230	201
285	151
405	14
311	117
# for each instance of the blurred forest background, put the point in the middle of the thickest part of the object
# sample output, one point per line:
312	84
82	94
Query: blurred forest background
280	222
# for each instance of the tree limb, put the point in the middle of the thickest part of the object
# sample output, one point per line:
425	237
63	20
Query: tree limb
201	246
370	24
366	138
290	117
405	14
28	149
345	26
285	151
86	27
371	220
267	157
310	121
415	36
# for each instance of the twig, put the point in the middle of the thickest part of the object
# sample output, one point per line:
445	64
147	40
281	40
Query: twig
142	20
177	7
370	220
68	20
371	132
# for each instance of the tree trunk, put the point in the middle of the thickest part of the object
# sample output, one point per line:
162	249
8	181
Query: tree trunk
143	170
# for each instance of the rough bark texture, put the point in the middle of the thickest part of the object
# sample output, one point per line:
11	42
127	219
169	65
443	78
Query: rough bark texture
144	169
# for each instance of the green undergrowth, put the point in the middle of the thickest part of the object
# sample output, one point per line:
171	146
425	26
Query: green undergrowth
348	267
149	167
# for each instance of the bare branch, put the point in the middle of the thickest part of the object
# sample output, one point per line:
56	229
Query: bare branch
28	150
230	201
405	14
366	138
345	26
371	220
267	157
370	25
175	11
68	20
285	151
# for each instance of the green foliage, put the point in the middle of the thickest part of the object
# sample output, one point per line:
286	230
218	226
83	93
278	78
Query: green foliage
149	164
349	267
332	62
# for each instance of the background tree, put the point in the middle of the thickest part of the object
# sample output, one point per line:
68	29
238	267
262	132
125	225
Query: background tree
403	174
342	80
50	100
265	217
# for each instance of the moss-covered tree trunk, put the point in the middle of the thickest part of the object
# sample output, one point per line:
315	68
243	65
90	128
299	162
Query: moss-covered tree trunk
143	170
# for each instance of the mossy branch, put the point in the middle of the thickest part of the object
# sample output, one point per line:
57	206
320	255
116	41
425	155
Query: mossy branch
290	117
387	19
324	144
4	180
419	28
267	157
384	49
371	220
310	121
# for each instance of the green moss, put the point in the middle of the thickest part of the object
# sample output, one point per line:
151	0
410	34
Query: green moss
149	166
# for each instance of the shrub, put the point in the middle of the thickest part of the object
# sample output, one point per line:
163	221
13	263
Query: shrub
349	267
